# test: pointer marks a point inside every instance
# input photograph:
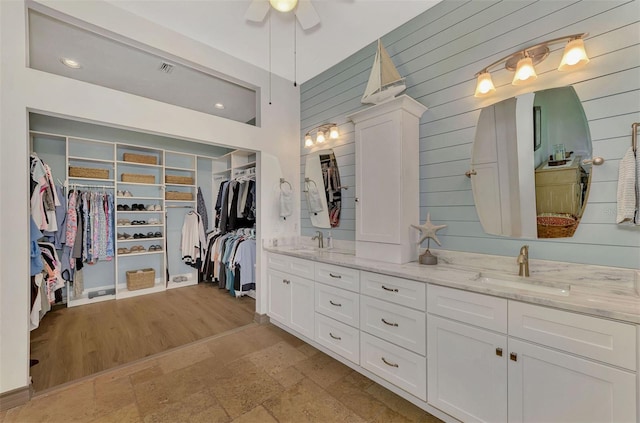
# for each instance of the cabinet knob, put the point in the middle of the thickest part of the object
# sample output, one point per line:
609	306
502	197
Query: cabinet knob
388	323
357	200
513	356
335	304
334	337
499	352
286	281
389	289
389	363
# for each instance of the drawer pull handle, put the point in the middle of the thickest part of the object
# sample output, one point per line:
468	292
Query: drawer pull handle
334	337
287	281
390	324
513	356
335	304
335	276
389	364
389	289
499	352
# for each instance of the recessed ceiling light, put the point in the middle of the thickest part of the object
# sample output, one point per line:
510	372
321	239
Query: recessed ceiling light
70	63
219	106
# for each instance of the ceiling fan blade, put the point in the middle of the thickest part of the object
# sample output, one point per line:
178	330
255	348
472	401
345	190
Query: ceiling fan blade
257	10
306	14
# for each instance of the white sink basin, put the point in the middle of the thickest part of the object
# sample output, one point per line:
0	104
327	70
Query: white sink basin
519	282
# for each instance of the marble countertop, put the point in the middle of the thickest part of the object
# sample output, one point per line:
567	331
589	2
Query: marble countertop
595	290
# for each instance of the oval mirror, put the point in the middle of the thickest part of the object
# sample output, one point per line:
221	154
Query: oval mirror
527	175
322	189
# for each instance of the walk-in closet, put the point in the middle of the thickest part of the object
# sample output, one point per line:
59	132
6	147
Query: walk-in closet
118	214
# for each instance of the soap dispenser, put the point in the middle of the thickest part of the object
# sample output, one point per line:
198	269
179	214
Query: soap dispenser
329	241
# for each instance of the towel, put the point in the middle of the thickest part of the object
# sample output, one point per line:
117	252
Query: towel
313	199
627	188
286	202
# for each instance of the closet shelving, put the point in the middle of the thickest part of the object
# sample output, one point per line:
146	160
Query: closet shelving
106	279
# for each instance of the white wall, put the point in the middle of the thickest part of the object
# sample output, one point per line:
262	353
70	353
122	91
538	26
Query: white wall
25	89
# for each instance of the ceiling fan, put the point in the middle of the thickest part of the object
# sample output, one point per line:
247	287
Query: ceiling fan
303	9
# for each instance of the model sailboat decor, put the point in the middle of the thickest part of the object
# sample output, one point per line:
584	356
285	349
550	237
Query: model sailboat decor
385	81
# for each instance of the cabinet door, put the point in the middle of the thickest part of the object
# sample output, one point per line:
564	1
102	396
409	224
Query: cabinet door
467	371
302	306
550	386
279	296
378	179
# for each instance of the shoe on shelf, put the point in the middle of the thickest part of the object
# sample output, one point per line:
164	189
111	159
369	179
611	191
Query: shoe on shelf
127	236
152	248
154	221
120	236
120	207
158	207
123	222
158	247
120	193
124	251
157	235
127	194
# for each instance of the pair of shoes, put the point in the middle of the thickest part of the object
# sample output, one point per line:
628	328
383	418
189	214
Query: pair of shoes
139	222
124	207
155	248
180	278
138	249
154	207
154	221
123	251
123	236
123	194
123	222
138	207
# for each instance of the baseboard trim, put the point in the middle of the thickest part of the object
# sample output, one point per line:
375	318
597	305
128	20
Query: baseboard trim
260	318
14	398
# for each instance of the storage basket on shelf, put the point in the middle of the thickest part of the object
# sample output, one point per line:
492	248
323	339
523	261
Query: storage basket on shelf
175	179
556	225
177	195
140	279
88	172
138	178
140	158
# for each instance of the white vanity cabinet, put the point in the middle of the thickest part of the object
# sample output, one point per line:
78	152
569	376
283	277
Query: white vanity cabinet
551	373
291	296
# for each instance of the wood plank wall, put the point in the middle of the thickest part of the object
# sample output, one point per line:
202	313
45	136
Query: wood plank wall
439	52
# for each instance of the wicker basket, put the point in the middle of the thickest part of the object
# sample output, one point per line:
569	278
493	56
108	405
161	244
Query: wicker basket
140	158
140	279
175	179
88	172
556	225
138	178
177	195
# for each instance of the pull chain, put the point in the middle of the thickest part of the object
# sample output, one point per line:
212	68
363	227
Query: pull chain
270	73
295	53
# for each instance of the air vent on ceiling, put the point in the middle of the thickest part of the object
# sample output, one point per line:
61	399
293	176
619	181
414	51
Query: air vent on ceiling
166	67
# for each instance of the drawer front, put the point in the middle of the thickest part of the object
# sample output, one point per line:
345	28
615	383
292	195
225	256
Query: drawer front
394	323
403	368
396	290
293	265
338	304
341	277
468	307
338	337
593	337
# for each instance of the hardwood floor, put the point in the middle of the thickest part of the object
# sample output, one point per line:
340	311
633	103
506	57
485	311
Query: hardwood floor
75	342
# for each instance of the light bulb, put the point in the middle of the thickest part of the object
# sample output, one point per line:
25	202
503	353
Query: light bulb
525	72
308	142
283	5
484	85
574	55
320	137
70	63
333	132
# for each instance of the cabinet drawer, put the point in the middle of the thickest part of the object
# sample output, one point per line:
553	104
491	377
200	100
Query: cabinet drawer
338	337
341	277
394	323
403	368
396	290
338	304
293	265
468	307
593	337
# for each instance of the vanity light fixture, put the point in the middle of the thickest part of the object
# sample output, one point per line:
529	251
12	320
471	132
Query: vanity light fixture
283	5
322	132
523	62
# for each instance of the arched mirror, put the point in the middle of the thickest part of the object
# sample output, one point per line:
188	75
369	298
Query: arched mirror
528	176
322	189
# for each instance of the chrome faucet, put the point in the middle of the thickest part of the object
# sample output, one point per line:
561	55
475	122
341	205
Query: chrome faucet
523	261
320	239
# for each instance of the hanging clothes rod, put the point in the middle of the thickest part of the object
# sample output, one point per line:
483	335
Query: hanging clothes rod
67	185
178	207
634	136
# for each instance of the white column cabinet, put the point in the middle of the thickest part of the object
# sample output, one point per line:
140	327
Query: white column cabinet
387	179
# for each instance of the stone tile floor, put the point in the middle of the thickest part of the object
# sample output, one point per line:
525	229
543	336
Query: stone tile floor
258	373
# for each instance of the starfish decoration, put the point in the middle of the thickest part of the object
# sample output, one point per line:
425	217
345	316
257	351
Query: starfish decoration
428	230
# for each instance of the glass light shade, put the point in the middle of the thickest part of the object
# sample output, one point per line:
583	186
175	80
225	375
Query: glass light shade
308	142
574	55
333	132
525	72
484	85
283	5
320	137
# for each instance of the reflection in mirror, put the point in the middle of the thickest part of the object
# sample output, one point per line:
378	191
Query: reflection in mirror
527	147
322	189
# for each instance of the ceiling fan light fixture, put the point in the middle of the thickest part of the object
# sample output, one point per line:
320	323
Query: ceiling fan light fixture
283	5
